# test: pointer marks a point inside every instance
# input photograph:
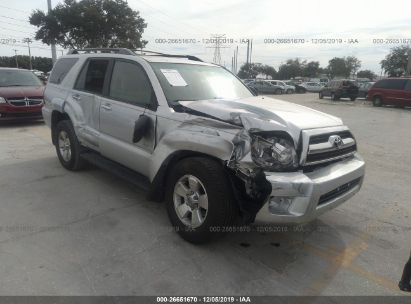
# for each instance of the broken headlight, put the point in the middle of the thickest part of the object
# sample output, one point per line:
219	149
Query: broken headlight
273	153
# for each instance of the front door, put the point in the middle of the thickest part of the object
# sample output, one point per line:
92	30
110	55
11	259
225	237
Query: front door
129	96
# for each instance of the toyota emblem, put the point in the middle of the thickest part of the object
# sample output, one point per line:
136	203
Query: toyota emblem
335	140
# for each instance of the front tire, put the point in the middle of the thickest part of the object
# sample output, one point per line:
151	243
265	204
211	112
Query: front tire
68	147
334	97
377	101
199	199
278	91
320	95
353	98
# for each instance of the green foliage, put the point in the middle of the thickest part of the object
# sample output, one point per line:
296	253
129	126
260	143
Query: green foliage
366	74
251	70
296	68
43	64
343	66
90	23
395	63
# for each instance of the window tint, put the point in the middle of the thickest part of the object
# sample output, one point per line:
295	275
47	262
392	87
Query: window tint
393	84
408	85
130	83
95	75
61	69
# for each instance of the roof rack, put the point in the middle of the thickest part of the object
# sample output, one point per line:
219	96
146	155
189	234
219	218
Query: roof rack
122	51
125	51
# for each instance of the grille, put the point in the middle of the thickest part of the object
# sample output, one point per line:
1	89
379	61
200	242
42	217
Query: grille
21	102
321	151
331	154
316	139
338	191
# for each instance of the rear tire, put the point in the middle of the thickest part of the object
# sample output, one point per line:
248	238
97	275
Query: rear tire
199	200
68	147
353	98
377	101
320	95
278	91
334	97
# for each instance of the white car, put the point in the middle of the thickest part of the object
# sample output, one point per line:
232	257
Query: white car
288	89
312	86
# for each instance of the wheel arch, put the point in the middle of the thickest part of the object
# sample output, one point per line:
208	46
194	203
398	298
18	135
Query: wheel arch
160	179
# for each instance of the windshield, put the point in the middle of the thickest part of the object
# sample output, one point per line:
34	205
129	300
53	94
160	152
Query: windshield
198	82
11	78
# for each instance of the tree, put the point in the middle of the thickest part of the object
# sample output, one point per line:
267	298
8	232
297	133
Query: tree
311	69
43	64
268	71
90	23
395	63
353	65
249	70
292	68
366	74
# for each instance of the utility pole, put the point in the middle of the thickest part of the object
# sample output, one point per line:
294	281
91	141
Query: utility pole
251	49
53	45
17	63
28	41
248	50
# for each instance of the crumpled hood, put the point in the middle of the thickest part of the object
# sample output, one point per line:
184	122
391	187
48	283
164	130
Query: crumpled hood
264	113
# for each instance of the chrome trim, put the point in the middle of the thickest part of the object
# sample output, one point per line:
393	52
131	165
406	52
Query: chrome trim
306	134
331	159
327	146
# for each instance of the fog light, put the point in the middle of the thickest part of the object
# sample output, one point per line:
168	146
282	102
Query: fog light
280	204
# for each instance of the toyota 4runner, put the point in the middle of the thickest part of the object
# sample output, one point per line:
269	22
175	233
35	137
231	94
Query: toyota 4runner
195	136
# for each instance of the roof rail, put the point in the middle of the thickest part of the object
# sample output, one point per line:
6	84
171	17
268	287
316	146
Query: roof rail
122	51
125	51
147	52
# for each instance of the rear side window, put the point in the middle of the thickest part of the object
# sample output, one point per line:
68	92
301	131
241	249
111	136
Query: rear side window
408	85
393	84
93	76
61	69
129	83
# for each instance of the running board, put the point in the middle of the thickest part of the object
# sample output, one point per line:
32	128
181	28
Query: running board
137	179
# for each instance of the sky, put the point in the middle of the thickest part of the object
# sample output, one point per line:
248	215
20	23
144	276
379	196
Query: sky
365	23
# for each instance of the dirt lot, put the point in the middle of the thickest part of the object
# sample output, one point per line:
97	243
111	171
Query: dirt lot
88	233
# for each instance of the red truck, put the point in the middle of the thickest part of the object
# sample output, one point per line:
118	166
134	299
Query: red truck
391	91
21	94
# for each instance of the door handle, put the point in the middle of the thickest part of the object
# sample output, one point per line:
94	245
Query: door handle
106	107
76	97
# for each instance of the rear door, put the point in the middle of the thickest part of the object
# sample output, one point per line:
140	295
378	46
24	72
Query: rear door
394	92
89	86
130	95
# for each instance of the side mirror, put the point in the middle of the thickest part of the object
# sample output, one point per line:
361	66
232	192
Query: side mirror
140	128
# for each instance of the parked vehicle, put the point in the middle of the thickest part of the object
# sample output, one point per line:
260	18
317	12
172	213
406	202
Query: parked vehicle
391	91
21	94
194	135
363	88
312	86
297	85
341	88
288	89
264	87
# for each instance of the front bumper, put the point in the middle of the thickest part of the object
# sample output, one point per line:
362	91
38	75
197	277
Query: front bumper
9	112
311	194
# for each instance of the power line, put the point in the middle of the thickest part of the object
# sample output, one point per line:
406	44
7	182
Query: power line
19	25
17	19
14	9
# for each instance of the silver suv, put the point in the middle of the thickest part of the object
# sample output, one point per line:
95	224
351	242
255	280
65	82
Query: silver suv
194	135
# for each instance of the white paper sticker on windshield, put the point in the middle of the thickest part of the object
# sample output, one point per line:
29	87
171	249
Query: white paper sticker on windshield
174	78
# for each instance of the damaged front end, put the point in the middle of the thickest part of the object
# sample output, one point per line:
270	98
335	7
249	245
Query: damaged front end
256	152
